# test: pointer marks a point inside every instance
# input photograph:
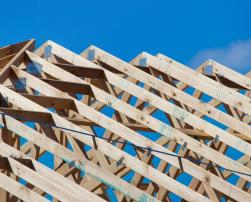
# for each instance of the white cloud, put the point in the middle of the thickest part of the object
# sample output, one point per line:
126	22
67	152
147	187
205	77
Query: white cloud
236	56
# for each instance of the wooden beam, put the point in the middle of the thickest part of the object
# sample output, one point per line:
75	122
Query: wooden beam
27	45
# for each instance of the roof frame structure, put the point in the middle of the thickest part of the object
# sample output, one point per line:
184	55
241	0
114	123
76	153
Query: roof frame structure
55	100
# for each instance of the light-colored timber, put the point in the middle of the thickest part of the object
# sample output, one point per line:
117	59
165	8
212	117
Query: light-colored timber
92	127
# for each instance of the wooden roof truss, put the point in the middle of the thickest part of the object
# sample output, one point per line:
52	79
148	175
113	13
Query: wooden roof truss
85	127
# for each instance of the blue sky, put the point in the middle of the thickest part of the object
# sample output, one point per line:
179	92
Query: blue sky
189	31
